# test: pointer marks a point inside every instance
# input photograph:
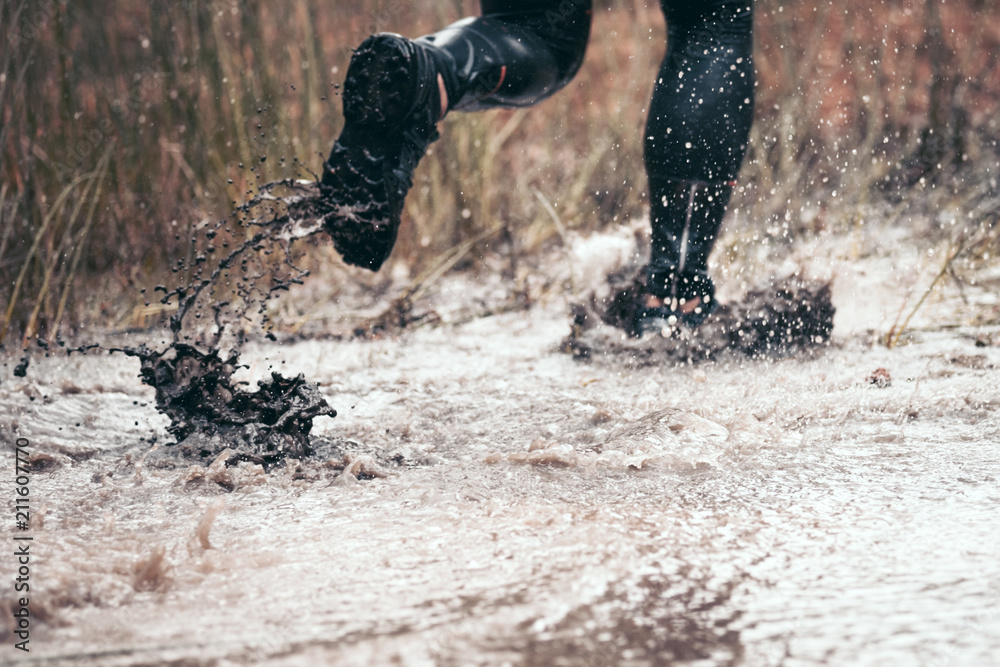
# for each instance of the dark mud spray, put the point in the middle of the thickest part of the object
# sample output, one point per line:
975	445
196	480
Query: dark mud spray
781	319
193	378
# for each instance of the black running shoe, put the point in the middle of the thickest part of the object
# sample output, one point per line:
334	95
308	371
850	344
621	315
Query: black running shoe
391	109
670	316
663	320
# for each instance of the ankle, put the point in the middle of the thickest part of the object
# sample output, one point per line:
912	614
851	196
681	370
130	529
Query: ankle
685	306
443	95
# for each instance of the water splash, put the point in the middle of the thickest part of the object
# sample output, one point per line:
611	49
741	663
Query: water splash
785	317
208	410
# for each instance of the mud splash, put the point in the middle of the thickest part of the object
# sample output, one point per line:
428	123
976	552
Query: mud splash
785	317
238	289
209	412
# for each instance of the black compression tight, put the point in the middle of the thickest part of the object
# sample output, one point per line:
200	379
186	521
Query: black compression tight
696	137
516	54
702	107
563	26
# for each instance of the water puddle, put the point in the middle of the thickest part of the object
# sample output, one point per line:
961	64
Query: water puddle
519	506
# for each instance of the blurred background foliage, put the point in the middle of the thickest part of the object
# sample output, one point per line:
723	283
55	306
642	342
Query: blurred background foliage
126	125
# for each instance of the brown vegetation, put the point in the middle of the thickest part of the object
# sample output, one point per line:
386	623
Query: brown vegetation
126	125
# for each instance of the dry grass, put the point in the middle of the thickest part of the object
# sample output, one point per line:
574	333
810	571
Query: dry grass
124	126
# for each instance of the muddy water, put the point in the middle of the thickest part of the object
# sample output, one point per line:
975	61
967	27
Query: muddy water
533	510
209	414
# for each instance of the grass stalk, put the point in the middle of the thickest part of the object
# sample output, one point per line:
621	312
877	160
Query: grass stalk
893	336
54	258
7	228
445	263
102	170
36	243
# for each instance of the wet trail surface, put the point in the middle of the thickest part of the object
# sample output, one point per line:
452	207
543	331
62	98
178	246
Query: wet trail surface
517	506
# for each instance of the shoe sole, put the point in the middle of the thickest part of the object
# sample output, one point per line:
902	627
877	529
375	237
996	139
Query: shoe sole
379	93
658	320
659	324
381	85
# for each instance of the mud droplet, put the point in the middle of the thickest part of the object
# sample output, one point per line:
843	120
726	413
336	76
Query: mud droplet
881	378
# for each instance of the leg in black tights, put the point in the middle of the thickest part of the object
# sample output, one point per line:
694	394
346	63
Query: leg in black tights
521	51
696	136
516	54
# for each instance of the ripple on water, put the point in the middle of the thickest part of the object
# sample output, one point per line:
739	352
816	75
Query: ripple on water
671	438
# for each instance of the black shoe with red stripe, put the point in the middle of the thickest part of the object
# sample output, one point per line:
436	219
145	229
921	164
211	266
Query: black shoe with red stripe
675	309
391	108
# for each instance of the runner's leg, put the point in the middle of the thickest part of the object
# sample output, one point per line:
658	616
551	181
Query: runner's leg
696	136
516	54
